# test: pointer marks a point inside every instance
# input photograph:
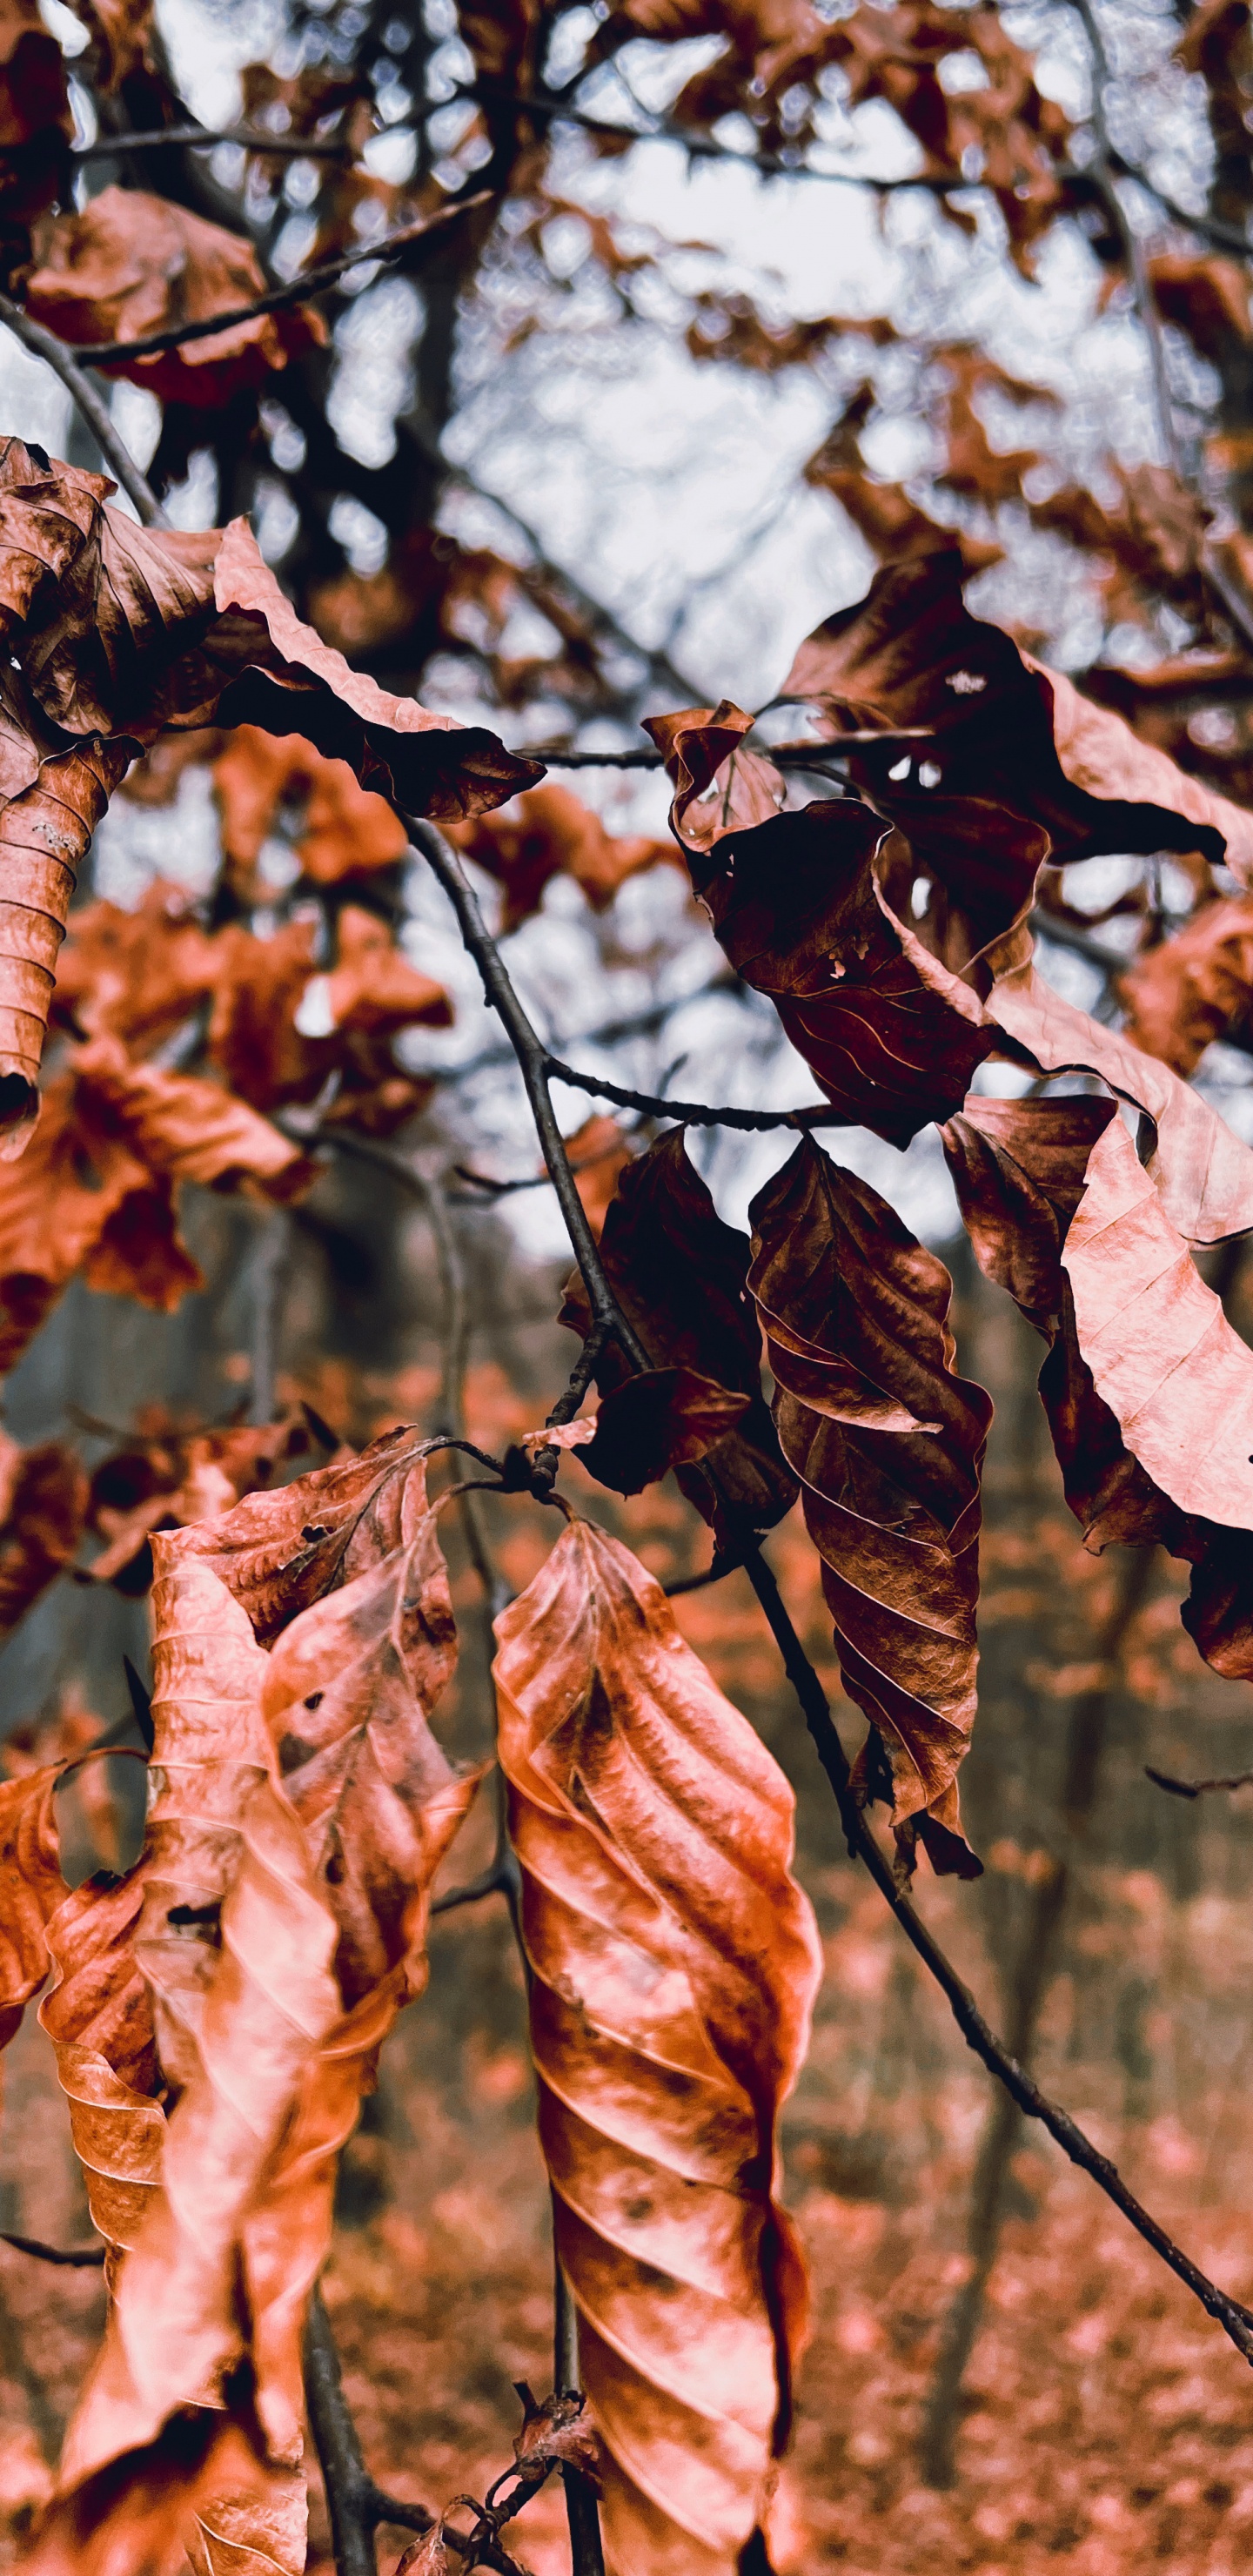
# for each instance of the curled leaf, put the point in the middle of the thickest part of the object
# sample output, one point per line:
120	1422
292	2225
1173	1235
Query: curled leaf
31	1888
718	786
673	1963
678	1273
657	1419
43	1503
547	833
888	1443
98	2014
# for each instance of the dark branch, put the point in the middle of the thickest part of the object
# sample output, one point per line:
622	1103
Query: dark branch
68	364
77	2258
204	138
785	755
1196	1788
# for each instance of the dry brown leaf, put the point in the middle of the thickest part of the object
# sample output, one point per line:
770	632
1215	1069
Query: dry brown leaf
888	1443
599	1154
678	1273
121	33
31	1888
1202	1171
347	1697
131	264
277	1553
345	831
202	2495
1006	727
186	1129
169	1477
657	1419
673	1964
718	786
1163	1357
1193	988
1019	1167
138	975
546	833
43	1505
118	631
98	2014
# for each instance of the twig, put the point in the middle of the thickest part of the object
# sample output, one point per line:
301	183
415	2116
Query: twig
608	1321
715	1573
785	755
95	411
203	138
582	2514
1102	173
105	353
1086	1734
695	1113
1195	1788
78	2258
357	2507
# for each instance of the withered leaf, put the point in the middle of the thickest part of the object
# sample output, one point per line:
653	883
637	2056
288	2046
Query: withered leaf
1019	1167
98	2014
203	2495
803	906
36	119
43	1505
547	833
31	1888
137	974
186	1129
131	263
276	1553
888	1443
1005	727
1195	987
346	829
658	1419
347	1698
718	786
673	1964
678	1273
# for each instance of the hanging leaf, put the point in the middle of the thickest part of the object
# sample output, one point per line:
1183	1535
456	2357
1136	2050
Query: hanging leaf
678	1274
888	1443
31	1888
547	833
345	830
673	1965
1194	988
719	787
131	264
348	1693
98	2014
657	1419
278	1552
1020	1169
43	1506
1004	726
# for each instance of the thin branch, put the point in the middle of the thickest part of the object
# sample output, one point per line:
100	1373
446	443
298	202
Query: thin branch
77	2258
722	1566
106	353
587	2556
204	138
695	1113
785	755
1102	173
95	411
1196	1788
1235	2319
357	2507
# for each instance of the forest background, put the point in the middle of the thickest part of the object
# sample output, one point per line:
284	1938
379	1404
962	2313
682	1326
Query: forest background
747	302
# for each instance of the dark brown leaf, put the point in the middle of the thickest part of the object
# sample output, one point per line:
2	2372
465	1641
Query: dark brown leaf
888	1443
43	1504
661	1418
678	1272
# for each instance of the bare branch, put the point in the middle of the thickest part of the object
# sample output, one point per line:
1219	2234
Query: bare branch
78	2258
205	138
95	411
1195	1788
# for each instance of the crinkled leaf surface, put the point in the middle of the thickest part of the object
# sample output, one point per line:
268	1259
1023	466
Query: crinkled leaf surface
674	1962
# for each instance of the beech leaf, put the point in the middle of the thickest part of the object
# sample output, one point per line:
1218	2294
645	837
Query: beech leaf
679	1275
31	1887
657	1419
673	1965
888	1443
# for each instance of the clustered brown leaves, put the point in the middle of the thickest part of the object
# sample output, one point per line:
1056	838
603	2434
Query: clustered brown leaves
217	2011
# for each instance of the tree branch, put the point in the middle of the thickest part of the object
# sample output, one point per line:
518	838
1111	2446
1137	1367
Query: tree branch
1235	2319
204	138
104	353
95	411
78	2258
